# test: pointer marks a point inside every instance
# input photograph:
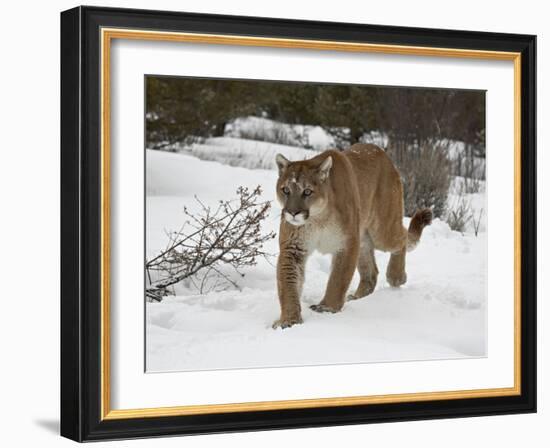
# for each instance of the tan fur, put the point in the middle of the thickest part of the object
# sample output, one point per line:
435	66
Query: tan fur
347	204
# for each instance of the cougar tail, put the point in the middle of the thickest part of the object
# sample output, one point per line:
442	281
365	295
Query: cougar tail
421	219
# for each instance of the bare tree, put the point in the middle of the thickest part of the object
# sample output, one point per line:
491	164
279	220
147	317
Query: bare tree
229	234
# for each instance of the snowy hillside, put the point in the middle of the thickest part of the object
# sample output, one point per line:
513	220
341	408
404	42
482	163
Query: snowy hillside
314	137
251	154
439	313
265	129
253	142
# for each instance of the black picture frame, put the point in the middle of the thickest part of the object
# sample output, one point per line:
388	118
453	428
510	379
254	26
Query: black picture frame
81	224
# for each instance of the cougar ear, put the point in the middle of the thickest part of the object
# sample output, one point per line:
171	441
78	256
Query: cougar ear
324	168
282	162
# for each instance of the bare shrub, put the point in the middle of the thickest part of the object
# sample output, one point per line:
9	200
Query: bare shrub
466	185
472	185
425	172
459	214
468	161
228	235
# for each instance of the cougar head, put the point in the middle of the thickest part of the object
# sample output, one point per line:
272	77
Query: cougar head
302	187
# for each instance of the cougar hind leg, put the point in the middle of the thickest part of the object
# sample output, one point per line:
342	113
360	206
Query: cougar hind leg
395	273
368	271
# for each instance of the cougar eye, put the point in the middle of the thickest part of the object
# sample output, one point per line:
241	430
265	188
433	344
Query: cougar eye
307	192
286	190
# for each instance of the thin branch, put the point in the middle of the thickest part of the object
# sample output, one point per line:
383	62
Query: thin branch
229	235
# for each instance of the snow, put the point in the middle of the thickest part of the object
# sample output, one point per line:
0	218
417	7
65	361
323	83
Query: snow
294	134
475	201
245	153
314	137
248	143
439	314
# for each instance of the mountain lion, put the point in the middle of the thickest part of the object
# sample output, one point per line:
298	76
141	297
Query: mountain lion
346	204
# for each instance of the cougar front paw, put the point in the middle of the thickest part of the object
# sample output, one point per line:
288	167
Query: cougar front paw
286	323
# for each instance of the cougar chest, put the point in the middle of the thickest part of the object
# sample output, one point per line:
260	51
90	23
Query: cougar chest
326	237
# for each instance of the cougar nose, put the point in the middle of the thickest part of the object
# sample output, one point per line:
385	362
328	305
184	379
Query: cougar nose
293	212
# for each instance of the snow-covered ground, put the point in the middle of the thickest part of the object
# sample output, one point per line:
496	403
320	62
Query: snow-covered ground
439	313
475	202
